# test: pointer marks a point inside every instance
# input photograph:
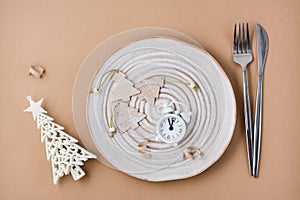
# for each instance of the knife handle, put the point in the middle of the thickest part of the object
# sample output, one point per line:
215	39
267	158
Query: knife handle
257	126
248	124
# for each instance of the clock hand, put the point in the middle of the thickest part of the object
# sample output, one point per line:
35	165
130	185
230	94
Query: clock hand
172	120
170	124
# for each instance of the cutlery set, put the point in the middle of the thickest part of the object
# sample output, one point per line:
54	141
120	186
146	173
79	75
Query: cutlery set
242	55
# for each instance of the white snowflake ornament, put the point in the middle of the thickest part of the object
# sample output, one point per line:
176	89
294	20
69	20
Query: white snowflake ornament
66	156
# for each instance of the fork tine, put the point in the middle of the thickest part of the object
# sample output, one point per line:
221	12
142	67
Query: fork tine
243	39
248	39
239	40
234	39
234	35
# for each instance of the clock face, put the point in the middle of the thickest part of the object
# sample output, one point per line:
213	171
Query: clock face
171	128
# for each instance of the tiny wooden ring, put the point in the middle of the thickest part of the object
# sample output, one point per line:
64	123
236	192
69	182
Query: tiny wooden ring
191	152
195	150
142	145
188	154
36	70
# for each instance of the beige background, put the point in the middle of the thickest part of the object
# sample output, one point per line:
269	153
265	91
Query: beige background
59	34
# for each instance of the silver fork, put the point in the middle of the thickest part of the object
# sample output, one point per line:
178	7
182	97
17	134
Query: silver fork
242	55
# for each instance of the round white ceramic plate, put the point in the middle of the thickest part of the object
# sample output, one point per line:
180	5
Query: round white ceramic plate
90	66
213	107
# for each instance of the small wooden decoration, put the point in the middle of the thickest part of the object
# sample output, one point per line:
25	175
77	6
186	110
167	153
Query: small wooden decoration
122	88
36	71
192	152
127	117
150	89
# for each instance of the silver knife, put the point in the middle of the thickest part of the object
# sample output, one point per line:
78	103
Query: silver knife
262	51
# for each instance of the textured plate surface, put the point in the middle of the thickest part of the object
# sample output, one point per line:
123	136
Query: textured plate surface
213	108
93	61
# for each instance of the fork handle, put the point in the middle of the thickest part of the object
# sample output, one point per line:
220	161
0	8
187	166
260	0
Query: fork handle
257	126
248	124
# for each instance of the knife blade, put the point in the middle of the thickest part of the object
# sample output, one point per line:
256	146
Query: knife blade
262	51
262	47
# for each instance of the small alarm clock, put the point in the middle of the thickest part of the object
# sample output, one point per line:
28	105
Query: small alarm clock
171	127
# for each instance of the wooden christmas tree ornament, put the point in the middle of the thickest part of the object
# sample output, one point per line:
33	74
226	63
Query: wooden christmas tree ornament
65	155
150	89
122	89
127	117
